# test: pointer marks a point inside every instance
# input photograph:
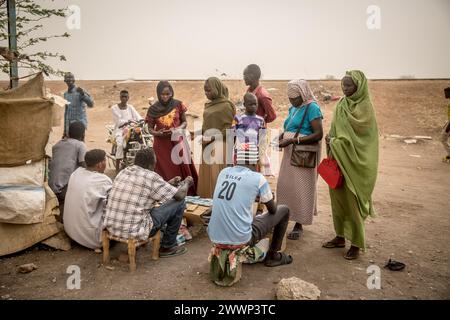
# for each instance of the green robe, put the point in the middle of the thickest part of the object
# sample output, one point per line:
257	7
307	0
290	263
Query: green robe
354	144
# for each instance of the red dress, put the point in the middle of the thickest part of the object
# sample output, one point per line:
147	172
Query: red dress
163	149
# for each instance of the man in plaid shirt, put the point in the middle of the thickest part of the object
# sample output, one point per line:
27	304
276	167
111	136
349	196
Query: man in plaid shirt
131	211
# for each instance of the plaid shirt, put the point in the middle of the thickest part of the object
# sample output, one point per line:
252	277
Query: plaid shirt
134	193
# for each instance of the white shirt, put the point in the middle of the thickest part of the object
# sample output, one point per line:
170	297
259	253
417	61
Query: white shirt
123	116
83	207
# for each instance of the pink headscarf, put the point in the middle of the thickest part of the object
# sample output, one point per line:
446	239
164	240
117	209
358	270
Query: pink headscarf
299	87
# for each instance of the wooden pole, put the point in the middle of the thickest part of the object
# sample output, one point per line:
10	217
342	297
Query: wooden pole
12	42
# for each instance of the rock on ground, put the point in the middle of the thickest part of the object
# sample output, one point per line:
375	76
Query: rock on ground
26	268
296	289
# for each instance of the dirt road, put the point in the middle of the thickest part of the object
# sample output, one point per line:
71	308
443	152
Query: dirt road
412	200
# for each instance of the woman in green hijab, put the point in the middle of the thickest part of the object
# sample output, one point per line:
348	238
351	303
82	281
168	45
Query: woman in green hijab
217	118
353	142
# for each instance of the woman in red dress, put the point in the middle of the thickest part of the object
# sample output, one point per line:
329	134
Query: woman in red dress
166	121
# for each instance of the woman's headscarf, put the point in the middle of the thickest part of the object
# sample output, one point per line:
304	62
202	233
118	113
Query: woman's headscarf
218	89
220	111
300	88
161	108
354	143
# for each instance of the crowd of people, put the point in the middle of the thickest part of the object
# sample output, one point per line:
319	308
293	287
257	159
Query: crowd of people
150	194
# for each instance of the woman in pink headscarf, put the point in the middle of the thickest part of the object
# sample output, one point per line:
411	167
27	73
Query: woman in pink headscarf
296	186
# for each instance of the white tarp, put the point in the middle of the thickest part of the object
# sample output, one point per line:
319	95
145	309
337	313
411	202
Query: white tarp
22	193
16	237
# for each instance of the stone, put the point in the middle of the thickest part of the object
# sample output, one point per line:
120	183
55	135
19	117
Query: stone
27	268
296	289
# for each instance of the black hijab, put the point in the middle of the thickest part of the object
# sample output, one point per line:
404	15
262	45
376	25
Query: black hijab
160	108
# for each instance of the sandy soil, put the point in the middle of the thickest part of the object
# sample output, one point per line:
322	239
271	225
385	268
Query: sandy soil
411	198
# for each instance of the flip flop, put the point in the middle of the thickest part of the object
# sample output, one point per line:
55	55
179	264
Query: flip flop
294	234
285	259
351	257
333	244
395	265
173	253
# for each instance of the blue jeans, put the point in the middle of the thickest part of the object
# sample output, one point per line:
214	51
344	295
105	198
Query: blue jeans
171	212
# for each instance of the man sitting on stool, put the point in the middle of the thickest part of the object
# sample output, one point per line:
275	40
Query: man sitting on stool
232	224
131	210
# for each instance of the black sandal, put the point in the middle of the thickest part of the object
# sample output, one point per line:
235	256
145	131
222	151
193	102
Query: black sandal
395	265
284	259
294	234
352	253
333	244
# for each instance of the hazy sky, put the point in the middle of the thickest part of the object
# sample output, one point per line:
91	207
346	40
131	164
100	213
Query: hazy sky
194	39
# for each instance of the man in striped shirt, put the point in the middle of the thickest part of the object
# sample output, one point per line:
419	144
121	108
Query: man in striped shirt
78	100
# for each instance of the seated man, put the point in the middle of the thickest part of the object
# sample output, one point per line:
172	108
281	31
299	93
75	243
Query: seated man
131	211
232	225
67	156
85	201
123	113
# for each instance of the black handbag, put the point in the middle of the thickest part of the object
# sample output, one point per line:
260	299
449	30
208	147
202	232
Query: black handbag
304	155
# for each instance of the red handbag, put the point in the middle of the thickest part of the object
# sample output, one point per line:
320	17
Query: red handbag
330	172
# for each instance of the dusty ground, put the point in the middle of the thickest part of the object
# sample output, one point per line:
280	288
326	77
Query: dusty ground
411	198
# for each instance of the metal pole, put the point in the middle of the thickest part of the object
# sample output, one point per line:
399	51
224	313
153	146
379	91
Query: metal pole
12	41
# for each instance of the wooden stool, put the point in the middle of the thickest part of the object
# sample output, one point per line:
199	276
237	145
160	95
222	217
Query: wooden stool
132	245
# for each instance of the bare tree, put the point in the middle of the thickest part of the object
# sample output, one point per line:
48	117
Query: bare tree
28	24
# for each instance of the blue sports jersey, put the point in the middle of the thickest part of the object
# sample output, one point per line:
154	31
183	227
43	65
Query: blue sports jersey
236	190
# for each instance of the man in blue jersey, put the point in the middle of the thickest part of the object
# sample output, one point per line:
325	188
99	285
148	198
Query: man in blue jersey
232	222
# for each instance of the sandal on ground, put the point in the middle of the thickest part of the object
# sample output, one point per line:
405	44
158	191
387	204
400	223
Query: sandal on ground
352	254
395	265
284	259
294	234
334	244
177	251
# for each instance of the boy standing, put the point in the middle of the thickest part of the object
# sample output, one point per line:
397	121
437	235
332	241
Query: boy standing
252	74
248	128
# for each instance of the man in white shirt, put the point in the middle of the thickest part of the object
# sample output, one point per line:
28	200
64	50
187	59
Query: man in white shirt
85	200
123	114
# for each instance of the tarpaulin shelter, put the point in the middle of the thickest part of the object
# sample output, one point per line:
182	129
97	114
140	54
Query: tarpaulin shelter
27	205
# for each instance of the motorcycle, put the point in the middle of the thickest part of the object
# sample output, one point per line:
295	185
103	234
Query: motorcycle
135	137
